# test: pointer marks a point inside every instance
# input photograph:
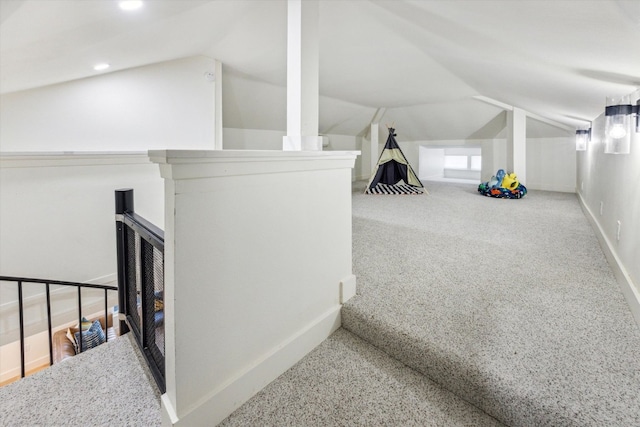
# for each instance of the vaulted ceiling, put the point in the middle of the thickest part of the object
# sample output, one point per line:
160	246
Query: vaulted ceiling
425	61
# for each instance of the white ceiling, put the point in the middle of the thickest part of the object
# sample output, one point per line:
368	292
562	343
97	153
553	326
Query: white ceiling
422	60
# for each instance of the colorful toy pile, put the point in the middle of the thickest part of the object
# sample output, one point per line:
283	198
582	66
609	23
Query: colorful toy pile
503	186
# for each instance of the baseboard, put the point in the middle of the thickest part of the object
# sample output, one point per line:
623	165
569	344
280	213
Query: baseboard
549	186
220	403
629	290
33	364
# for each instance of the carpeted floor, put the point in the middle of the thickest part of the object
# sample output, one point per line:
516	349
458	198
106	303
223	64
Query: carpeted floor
464	302
109	385
347	382
510	304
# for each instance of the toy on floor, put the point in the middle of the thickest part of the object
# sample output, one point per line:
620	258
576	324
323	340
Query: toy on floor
503	186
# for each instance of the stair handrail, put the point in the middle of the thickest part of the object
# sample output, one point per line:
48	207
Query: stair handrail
138	297
48	282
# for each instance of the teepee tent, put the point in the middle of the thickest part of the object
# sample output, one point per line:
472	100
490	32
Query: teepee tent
393	173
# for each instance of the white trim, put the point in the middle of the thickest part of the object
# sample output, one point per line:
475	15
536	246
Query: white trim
493	102
71	158
347	288
107	279
551	122
28	366
194	164
550	186
629	290
220	403
534	116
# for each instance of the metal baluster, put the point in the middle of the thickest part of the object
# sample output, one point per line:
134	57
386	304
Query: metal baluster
49	321
21	311
80	318
106	317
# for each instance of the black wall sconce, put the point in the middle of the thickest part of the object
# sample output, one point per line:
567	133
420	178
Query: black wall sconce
583	136
617	125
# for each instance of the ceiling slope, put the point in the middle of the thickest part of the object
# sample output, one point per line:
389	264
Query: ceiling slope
424	61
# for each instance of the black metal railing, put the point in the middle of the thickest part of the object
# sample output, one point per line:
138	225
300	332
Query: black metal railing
21	281
140	250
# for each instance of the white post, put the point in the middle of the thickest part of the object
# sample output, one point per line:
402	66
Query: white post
302	76
375	141
375	137
517	143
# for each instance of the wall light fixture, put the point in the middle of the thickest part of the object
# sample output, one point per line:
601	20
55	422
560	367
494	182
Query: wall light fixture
617	125
638	115
583	136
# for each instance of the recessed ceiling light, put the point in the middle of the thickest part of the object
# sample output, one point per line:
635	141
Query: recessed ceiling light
130	4
101	67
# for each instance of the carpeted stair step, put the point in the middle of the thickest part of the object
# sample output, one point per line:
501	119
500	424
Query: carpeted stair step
509	304
347	382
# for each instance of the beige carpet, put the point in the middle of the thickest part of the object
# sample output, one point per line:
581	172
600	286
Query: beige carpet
510	304
106	386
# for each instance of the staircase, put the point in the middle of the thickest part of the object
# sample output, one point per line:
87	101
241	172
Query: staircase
470	311
108	381
109	385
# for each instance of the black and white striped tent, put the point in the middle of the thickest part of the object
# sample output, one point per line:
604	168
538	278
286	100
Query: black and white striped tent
393	173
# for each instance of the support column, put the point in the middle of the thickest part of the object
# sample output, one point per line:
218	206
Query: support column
375	137
517	143
373	150
302	76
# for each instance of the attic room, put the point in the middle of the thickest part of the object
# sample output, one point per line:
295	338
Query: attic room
192	105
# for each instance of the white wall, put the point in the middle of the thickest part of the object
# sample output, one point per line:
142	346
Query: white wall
551	164
431	164
493	153
468	174
494	157
252	139
264	139
550	161
348	143
36	355
469	150
613	180
256	247
364	162
57	221
165	105
57	212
